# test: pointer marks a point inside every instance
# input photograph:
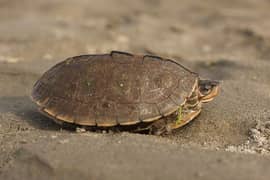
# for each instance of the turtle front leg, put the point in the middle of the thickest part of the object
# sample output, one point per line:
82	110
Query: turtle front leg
167	124
155	128
184	118
160	127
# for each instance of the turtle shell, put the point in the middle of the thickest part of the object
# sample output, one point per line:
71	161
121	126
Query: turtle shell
113	89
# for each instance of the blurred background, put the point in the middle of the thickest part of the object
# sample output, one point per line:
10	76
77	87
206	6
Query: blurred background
56	29
226	40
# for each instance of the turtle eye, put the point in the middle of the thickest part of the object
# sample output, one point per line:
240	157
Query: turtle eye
205	89
208	87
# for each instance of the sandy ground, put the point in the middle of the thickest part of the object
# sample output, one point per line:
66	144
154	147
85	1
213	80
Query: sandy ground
224	40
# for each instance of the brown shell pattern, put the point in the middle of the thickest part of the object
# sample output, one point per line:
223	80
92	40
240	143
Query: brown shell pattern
111	89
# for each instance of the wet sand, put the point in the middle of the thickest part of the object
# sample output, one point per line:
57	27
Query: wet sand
225	40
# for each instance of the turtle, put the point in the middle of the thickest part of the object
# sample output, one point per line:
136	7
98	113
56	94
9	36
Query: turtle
121	89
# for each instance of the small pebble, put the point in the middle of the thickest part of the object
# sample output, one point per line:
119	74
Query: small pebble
80	130
198	174
64	141
9	59
48	56
206	48
23	141
53	136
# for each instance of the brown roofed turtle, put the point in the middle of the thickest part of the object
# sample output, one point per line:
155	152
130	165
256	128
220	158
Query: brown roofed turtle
122	89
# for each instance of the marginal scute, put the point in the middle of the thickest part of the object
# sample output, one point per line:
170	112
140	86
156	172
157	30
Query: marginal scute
149	112
127	114
115	53
49	111
129	122
179	66
122	57
65	118
40	93
61	108
85	115
82	58
105	113
152	57
150	61
53	105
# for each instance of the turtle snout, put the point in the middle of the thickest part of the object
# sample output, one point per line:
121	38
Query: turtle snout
208	90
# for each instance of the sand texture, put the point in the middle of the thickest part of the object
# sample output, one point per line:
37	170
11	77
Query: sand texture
222	40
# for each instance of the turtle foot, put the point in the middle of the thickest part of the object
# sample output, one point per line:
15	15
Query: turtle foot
160	127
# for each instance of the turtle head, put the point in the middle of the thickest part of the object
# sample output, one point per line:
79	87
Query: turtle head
208	89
